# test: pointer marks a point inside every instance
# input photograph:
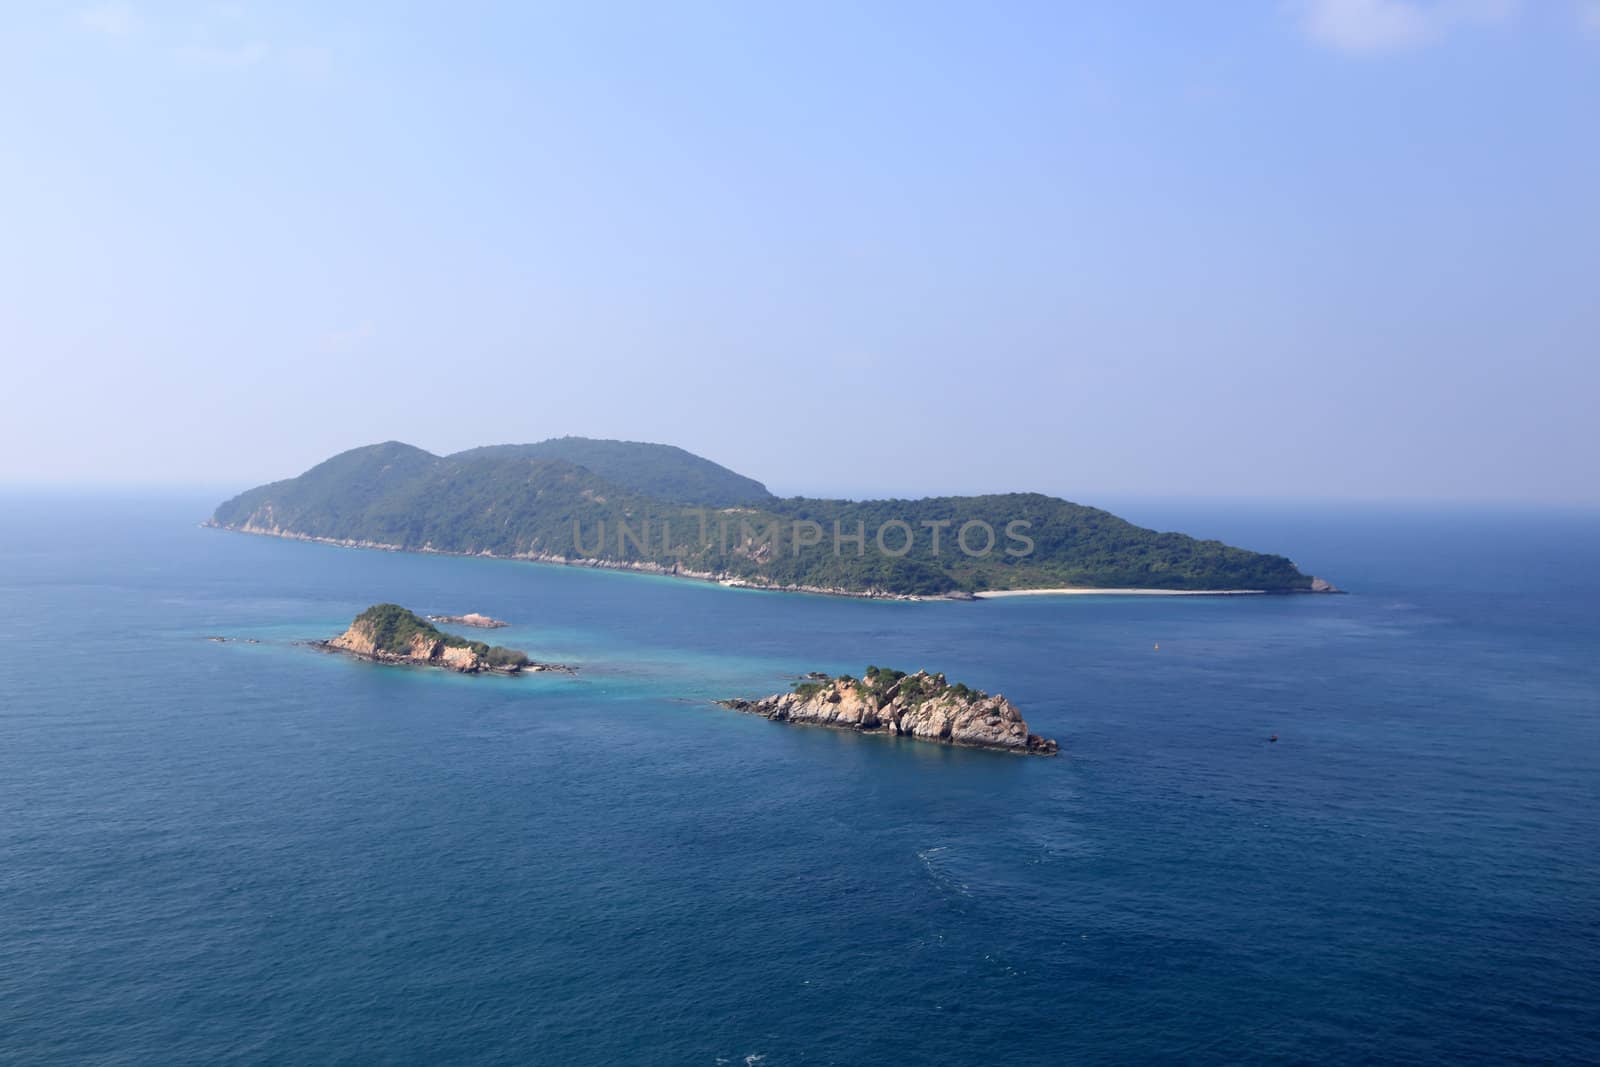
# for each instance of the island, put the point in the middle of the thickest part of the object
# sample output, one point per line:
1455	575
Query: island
390	634
471	618
921	706
657	509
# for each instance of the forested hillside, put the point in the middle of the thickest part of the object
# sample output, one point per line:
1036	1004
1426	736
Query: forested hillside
665	508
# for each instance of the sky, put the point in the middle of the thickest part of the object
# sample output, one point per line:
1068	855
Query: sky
1336	249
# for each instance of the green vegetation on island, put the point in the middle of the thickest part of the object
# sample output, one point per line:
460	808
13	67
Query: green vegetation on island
920	706
393	630
879	682
664	472
663	509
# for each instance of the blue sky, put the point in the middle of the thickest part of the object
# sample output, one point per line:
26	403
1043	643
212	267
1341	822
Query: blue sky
1338	248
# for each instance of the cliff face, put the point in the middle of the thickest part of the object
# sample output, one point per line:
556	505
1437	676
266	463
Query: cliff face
920	706
421	649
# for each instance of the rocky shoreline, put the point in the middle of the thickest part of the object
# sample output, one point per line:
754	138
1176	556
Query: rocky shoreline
921	706
440	660
730	581
391	635
645	567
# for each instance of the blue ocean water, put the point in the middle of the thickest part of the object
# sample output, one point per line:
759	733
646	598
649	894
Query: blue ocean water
258	852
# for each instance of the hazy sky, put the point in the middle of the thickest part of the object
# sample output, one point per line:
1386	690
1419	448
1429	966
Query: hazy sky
1339	248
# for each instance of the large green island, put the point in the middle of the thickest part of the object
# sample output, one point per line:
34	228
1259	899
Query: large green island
660	509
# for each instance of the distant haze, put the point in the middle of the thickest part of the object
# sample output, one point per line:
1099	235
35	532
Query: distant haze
1332	248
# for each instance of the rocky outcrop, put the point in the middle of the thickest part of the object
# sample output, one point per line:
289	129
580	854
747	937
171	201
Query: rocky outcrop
422	650
471	618
922	706
427	650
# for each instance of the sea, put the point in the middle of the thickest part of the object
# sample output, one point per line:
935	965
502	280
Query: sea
252	851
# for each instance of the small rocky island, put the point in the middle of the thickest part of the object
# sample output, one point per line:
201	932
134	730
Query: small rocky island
922	706
388	633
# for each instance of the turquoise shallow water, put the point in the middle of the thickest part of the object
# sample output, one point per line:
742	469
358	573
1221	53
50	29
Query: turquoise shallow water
263	853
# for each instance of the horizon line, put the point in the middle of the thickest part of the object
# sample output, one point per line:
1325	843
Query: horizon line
1087	498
